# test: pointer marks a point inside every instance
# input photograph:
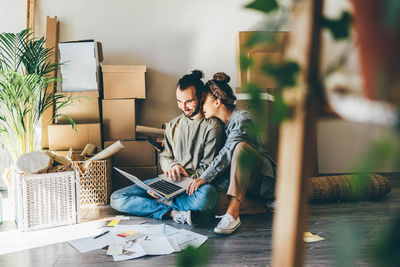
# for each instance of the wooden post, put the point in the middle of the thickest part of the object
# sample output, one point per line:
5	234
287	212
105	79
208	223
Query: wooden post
30	14
52	27
297	146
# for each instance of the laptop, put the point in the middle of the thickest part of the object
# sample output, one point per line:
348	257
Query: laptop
164	187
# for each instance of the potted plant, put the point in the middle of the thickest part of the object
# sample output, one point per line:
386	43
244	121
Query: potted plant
24	96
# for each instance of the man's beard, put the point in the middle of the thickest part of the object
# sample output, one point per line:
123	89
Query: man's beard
195	112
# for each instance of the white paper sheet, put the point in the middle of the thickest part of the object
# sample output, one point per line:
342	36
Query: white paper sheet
79	71
87	244
156	245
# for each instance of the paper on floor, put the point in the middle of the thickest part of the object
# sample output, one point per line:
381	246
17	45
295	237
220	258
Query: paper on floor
309	237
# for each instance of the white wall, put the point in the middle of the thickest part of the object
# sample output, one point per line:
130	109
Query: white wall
171	37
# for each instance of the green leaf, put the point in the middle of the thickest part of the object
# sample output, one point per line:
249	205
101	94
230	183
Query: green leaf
339	28
245	62
194	257
285	74
392	14
281	110
265	38
265	6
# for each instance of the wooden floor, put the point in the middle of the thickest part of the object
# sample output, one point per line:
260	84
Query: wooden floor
349	229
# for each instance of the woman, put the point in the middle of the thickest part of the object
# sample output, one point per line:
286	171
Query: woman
256	176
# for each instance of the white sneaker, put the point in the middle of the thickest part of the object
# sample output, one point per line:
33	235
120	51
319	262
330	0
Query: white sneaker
227	225
183	217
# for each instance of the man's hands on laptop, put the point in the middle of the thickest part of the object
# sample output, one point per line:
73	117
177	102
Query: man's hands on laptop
176	171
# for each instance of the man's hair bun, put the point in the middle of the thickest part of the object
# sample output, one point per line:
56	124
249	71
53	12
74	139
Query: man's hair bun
222	77
197	74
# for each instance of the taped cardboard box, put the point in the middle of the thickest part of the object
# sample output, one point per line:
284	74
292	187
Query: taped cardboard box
135	154
63	137
143	173
85	108
119	119
124	81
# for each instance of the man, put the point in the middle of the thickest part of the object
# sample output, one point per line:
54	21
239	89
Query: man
190	143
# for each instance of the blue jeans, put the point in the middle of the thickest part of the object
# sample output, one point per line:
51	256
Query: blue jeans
136	201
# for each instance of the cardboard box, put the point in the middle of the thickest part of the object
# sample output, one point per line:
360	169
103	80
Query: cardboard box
62	136
119	119
135	154
85	108
143	173
124	81
81	71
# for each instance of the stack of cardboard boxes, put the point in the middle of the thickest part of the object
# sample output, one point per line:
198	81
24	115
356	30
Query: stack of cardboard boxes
85	109
123	85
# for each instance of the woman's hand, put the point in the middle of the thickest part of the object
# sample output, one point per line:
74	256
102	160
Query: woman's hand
194	185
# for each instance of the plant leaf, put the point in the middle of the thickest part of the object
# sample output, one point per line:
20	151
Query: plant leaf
340	27
265	6
285	74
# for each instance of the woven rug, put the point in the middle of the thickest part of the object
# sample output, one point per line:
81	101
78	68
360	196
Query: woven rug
349	187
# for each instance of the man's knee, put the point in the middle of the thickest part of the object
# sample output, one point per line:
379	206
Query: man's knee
117	200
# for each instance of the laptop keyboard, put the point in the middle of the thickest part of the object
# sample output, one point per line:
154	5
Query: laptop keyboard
165	187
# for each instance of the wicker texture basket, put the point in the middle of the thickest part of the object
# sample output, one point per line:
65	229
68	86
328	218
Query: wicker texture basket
46	200
349	187
95	182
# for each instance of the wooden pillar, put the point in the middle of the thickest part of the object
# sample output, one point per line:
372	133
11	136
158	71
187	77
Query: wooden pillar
297	145
52	28
30	14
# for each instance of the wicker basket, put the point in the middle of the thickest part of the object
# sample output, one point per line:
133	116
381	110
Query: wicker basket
95	182
46	200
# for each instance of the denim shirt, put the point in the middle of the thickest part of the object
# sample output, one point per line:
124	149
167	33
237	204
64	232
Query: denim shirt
237	130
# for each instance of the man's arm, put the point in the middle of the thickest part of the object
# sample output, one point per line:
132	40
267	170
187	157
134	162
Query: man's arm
167	156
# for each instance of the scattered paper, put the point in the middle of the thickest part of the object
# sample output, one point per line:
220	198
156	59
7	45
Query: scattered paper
156	245
113	223
115	249
133	241
119	217
309	237
134	236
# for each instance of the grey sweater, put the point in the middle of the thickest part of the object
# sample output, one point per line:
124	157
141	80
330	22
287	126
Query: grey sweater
237	130
193	144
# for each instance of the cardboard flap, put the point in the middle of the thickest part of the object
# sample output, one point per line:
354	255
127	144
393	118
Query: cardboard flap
123	68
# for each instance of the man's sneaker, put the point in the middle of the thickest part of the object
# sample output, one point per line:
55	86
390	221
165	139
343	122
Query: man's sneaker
183	217
227	225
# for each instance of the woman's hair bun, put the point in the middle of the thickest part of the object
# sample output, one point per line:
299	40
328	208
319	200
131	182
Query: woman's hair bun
222	77
197	74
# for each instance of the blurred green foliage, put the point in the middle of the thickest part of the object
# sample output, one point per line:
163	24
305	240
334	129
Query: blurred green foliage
265	6
340	27
262	38
193	257
391	13
285	74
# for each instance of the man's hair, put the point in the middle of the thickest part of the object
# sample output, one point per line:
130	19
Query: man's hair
193	79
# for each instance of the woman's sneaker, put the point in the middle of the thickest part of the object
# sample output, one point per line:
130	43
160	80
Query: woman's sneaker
183	217
227	225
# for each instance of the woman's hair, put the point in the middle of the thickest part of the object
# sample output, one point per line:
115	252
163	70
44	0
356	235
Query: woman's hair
193	79
219	88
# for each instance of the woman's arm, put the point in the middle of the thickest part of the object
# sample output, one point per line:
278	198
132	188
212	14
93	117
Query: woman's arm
223	159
